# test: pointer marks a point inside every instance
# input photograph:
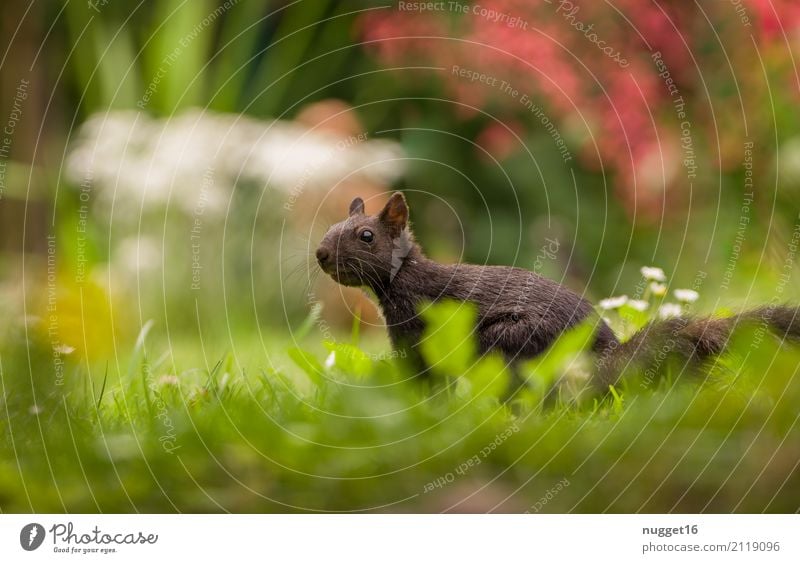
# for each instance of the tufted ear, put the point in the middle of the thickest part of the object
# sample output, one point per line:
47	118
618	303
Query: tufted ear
357	206
395	214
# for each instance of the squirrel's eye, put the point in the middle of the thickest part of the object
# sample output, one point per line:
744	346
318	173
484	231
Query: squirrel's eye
366	236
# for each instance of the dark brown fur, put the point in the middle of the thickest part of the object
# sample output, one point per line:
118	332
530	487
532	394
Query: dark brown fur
519	312
689	340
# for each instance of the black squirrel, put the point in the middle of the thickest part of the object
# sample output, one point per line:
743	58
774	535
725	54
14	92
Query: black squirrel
520	313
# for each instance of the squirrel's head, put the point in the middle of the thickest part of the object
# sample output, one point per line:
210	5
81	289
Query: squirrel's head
367	250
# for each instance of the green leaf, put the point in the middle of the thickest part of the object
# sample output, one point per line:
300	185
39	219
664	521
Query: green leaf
449	345
487	378
634	319
350	359
617	399
309	322
309	364
543	371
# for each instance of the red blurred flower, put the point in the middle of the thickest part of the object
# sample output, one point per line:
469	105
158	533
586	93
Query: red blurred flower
592	60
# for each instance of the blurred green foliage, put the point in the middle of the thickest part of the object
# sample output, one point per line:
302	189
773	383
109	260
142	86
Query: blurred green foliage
352	433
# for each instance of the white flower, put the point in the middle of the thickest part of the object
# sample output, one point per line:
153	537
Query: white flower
658	289
195	159
63	349
638	304
668	310
139	254
686	295
613	302
168	380
652	273
330	361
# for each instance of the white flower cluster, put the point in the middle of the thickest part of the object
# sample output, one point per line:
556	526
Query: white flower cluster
613	302
133	158
655	288
686	295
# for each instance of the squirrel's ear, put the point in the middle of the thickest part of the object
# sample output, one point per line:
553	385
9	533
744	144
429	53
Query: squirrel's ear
357	206
395	214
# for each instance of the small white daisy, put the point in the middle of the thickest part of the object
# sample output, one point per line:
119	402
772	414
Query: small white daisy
651	273
613	302
658	289
638	304
686	295
668	310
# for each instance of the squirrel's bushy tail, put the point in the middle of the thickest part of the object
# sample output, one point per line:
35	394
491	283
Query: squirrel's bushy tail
687	340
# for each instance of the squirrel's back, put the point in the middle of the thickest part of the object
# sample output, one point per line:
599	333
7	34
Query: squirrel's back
519	312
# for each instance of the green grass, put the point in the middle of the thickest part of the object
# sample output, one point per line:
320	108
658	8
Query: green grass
341	430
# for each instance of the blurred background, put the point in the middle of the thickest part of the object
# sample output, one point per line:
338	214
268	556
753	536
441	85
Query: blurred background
177	161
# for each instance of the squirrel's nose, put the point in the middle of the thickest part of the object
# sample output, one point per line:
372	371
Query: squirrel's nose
322	255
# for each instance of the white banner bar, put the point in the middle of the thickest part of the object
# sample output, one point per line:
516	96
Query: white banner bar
400	538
